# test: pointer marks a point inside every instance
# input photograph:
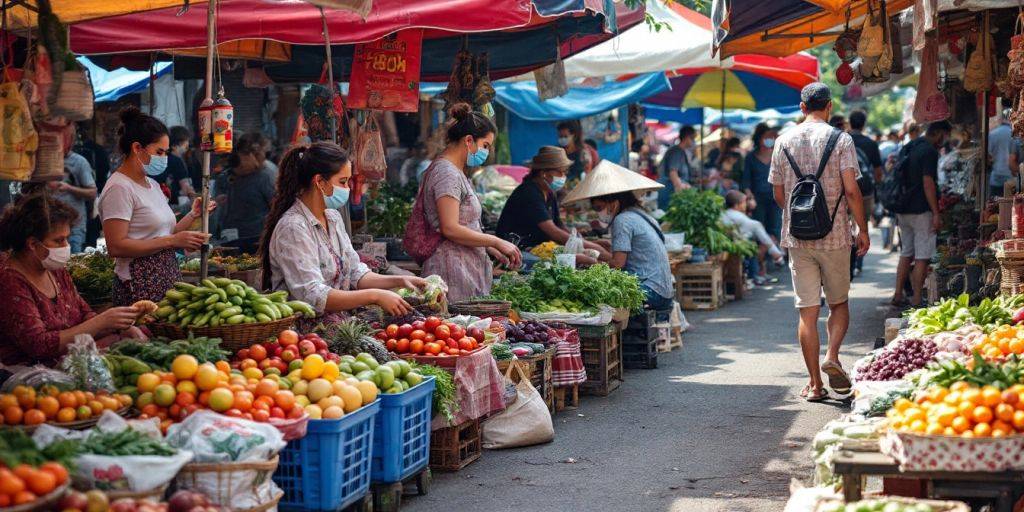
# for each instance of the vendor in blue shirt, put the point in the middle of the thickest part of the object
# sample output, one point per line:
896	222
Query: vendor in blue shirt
637	244
531	216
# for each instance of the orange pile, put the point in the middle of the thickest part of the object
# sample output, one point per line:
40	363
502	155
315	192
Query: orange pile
24	483
961	410
1002	342
26	406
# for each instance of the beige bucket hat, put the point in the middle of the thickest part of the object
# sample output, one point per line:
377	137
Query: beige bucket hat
549	157
608	178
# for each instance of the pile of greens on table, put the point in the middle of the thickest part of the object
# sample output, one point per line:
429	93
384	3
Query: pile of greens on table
954	313
93	274
388	213
699	215
553	288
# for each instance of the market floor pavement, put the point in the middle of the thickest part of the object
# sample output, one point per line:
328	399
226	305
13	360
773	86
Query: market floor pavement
718	426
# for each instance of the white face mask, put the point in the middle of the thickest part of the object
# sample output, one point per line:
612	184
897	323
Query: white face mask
605	216
57	257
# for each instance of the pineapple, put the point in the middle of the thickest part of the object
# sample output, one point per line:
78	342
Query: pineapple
352	337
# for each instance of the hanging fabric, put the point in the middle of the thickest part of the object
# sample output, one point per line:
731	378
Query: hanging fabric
930	104
369	161
18	138
926	13
978	72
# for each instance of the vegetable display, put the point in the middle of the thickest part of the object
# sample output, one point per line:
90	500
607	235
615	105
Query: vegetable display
222	301
389	211
26	472
126	442
551	288
17	448
159	353
93	275
882	403
97	501
699	214
230	263
898	359
545	251
445	395
952	314
527	332
881	505
978	372
431	337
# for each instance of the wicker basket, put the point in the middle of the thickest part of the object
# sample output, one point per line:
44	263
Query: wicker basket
937	506
194	475
48	502
233	337
153	494
480	308
1010	255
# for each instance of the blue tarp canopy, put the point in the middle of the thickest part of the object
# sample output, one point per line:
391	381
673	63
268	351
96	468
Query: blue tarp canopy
112	85
666	114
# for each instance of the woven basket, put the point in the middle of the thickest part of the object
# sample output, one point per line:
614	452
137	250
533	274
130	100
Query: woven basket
223	474
937	506
232	337
154	494
48	502
480	308
1010	255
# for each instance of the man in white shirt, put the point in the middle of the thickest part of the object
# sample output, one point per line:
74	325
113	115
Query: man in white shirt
735	214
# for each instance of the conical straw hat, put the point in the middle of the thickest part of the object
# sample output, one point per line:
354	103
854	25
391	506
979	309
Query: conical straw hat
608	178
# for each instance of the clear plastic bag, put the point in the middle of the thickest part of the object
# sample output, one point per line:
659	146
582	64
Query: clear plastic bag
36	377
575	243
85	365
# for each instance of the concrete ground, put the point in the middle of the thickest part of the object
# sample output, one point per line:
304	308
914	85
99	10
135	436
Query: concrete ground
718	426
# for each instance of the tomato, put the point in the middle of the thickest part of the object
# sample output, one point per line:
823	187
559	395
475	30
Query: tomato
405	330
429	338
277	412
243	354
431	323
432	348
261	416
391	331
391	344
258	352
451	343
466	343
453	351
417	335
458	332
419	325
402	346
381	335
416	346
442	332
288	338
234	413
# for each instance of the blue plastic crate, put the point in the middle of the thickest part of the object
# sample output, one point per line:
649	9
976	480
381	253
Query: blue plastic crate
401	438
329	469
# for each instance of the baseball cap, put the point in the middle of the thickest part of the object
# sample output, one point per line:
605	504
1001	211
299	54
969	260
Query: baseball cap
815	95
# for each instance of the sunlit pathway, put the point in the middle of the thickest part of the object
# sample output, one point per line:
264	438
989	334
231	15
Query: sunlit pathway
717	426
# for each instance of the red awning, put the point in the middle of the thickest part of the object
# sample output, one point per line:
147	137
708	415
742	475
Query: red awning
293	21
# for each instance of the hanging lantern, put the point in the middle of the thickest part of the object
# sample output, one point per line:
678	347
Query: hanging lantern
844	74
206	125
223	120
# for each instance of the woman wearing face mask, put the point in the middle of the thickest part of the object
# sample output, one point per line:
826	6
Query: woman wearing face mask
244	192
305	249
531	213
638	245
570	137
141	231
43	311
451	207
755	179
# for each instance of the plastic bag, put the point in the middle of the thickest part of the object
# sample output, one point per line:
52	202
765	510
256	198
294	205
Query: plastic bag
431	299
36	377
575	243
135	473
369	160
85	365
524	422
602	317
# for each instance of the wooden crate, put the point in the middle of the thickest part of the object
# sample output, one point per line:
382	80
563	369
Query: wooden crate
602	358
453	448
640	355
567	397
674	340
735	281
700	286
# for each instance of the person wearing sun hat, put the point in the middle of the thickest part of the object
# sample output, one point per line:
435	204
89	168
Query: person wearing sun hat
530	216
637	245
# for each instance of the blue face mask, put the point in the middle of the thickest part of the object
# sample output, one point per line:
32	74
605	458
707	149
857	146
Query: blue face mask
478	158
338	199
564	141
769	143
156	166
557	183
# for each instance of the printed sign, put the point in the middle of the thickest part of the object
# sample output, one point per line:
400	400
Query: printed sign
386	73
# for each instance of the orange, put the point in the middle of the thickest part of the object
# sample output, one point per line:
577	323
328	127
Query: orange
1011	397
26	397
10	484
965	408
1016	346
934	429
960	424
187	386
982	430
7	400
80	396
959	386
96	406
23	497
1002	425
49	405
1018	420
13	415
184	366
206	377
150	409
67	399
267	387
65	415
57	470
147	382
991	396
221	399
285	399
973	395
223	366
185	399
34	417
1004	412
84	412
109	402
1004	346
982	414
243	401
968	433
42	482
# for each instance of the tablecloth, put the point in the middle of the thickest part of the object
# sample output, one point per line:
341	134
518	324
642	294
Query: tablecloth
567	367
479	388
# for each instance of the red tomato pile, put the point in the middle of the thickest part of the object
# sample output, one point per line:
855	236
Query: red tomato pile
430	337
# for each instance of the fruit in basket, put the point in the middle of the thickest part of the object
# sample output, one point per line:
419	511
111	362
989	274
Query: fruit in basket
961	410
1006	340
26	406
436	338
221	301
880	505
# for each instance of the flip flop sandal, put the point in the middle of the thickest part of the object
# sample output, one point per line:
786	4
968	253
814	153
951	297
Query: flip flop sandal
838	380
809	395
899	303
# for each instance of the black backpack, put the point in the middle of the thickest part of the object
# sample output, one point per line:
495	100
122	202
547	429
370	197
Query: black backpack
894	191
809	218
866	176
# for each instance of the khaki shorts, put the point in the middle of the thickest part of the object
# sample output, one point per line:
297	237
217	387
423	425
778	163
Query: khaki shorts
817	269
916	236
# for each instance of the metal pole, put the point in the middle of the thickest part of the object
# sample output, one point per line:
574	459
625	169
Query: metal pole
211	42
330	73
984	131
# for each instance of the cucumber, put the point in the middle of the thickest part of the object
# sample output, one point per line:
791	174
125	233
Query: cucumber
285	310
209	284
212	299
235	320
249	319
177	296
262	318
221	306
185	320
278	296
239	283
221	282
237	300
164	311
215	321
230	312
172	318
184	287
267	310
302	307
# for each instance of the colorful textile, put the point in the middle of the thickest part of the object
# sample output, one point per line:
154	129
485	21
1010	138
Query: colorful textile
479	388
567	367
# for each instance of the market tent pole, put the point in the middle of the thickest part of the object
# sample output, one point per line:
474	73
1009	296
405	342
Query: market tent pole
211	40
330	74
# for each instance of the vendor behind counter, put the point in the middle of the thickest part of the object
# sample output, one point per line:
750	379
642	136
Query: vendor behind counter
531	214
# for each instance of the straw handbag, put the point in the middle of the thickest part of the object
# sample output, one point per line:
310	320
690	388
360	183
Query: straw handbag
978	72
74	97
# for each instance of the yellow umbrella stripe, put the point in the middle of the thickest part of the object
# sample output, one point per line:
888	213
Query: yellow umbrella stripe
74	11
706	92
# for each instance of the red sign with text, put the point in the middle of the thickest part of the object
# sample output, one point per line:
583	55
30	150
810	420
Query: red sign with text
386	73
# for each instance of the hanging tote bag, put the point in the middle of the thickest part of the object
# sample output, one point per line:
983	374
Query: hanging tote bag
421	239
74	97
872	35
524	422
50	156
370	162
978	72
18	138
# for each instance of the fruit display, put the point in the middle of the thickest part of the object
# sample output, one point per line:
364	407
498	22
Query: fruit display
222	301
28	406
282	351
430	337
546	250
231	263
898	359
28	473
98	501
954	313
882	505
961	410
352	337
553	288
1002	342
158	353
527	332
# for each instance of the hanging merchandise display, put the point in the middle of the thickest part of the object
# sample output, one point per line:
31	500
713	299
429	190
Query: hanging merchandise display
50	153
18	137
551	81
978	73
930	104
385	73
223	121
874	48
369	161
470	82
206	125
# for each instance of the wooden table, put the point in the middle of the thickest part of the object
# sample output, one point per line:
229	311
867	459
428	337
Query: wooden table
1002	487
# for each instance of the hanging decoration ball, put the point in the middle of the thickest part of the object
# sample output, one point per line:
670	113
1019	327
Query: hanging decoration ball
844	74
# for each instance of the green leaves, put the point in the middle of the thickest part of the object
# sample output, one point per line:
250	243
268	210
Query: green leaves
591	288
699	215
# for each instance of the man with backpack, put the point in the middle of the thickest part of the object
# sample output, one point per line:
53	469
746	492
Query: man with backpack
814	172
910	192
